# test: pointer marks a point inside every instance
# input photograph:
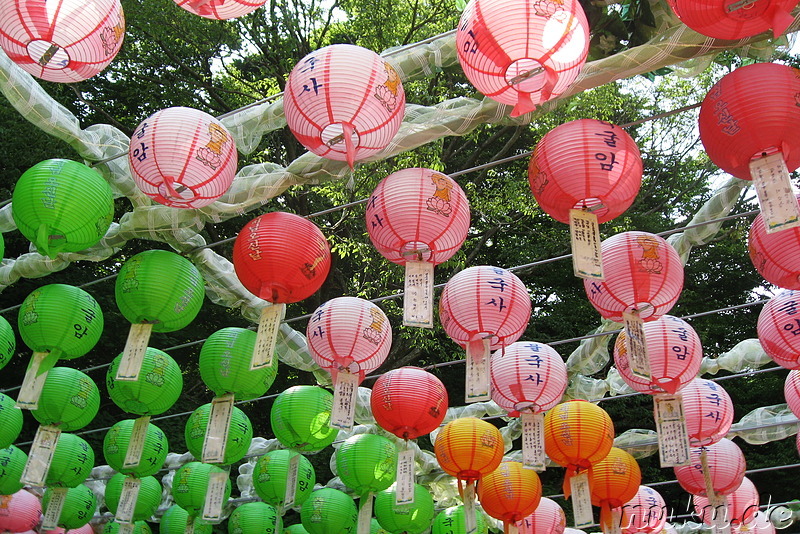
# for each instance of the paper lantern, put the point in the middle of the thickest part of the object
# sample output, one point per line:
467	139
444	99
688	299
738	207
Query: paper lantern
155	391
69	399
642	273
190	485
791	391
674	355
413	518
300	418
344	102
112	527
182	157
453	521
585	164
254	518
12	464
62	206
742	505
779	329
225	365
154	450
329	511
774	255
19	511
271	473
80	505
510	493
72	462
366	463
8	341
10	421
726	467
528	376
646	512
63	41
468	448
708	411
298	529
176	519
374	528
548	518
147	500
614	480
524	52
760	524
220	9
408	402
731	21
240	433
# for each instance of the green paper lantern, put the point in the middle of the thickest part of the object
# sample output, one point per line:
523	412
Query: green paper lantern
161	288
190	484
412	518
69	400
376	528
61	319
10	421
295	529
452	521
8	341
254	518
225	364
72	463
139	527
79	506
154	450
329	511
300	418
147	500
367	463
62	206
12	464
159	384
240	433
271	471
175	519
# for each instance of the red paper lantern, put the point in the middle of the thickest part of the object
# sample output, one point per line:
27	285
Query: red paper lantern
344	102
522	52
63	41
220	9
674	354
776	256
182	157
585	164
548	518
642	272
646	512
791	390
528	376
708	410
409	402
727	19
510	493
281	257
614	481
751	111
726	467
742	505
779	329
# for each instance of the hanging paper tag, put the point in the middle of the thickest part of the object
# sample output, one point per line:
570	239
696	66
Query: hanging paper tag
635	344
219	422
616	522
291	482
136	444
127	500
189	529
477	386
126	528
40	456
584	233
54	506
344	400
418	295
212	507
365	514
32	384
470	519
673	437
720	522
581	497
267	336
533	455
135	349
406	469
773	185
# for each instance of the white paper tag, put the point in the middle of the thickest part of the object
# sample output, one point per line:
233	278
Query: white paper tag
267	336
189	529
584	232
40	455
477	384
636	345
135	349
773	185
418	294
291	482
344	400
219	422
365	514
616	522
470	520
32	384
126	528
136	444
581	498
720	522
127	500
406	471
215	494
673	437
58	497
533	455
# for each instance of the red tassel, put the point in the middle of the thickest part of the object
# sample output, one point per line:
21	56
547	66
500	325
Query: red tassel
605	516
781	19
524	104
571	472
349	147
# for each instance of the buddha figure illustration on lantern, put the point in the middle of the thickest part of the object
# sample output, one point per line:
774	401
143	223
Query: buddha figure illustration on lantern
650	261
440	201
211	154
387	93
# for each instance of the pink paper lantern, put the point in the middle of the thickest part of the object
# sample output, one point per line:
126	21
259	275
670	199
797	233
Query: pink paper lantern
760	524
791	390
585	164
726	466
527	376
19	512
182	157
776	256
349	333
742	505
724	19
63	41
548	518
643	272
485	302
674	352
220	9
344	102
708	410
646	512
779	329
522	52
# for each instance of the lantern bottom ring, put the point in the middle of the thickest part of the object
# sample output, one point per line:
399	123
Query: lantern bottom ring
47	54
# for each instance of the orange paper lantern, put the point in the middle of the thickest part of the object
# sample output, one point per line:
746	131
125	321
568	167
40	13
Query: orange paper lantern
614	481
468	448
510	493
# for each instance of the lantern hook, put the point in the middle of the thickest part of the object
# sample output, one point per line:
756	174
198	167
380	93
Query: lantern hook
519	78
